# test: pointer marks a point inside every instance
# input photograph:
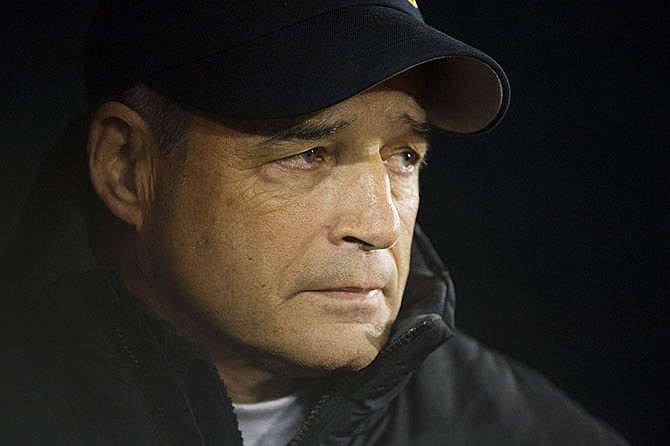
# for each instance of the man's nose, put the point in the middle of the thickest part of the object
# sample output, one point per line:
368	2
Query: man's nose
367	213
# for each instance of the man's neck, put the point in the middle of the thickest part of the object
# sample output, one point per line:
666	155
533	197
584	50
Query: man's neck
249	383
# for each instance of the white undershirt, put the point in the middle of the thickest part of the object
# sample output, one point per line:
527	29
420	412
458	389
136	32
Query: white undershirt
276	422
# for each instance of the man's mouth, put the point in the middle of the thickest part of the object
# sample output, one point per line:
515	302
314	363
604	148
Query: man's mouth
359	294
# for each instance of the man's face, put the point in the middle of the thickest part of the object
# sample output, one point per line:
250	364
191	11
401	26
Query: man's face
291	245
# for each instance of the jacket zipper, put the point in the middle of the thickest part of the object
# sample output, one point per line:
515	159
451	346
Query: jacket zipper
124	343
388	351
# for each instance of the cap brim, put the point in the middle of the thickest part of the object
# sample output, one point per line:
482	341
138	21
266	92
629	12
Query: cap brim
329	58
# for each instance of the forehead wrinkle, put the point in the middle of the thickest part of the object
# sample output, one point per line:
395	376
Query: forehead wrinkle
399	109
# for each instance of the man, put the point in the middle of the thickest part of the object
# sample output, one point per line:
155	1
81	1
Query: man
256	168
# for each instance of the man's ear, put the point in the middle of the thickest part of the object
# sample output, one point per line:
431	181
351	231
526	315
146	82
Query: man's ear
121	159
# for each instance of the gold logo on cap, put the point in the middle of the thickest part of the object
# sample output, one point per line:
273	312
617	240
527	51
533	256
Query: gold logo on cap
413	3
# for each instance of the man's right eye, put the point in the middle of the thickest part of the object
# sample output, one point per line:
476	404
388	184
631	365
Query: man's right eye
307	160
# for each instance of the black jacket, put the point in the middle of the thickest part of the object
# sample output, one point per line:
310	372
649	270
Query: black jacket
90	365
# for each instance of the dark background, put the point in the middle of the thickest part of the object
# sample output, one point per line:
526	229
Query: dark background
554	226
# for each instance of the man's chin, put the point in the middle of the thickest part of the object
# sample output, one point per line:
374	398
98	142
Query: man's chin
315	350
314	368
322	360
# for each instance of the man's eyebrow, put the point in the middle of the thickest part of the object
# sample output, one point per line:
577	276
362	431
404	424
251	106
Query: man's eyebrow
311	130
314	130
420	127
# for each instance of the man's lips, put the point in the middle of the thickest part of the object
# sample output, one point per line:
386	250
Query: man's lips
350	293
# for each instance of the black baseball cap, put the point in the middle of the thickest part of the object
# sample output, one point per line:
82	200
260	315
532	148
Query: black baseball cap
269	59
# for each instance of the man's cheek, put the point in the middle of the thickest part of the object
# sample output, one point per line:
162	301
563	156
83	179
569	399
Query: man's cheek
254	198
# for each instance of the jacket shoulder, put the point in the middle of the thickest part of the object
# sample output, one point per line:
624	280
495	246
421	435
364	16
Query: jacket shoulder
478	396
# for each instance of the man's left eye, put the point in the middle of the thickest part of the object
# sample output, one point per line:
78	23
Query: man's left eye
404	161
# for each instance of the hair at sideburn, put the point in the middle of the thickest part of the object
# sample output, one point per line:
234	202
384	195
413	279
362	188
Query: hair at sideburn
167	119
